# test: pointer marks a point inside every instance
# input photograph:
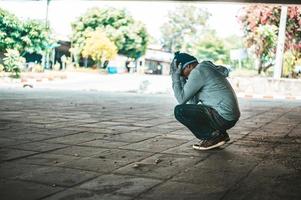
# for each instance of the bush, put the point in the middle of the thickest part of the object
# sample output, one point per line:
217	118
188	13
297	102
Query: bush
291	60
56	67
13	62
1	68
37	68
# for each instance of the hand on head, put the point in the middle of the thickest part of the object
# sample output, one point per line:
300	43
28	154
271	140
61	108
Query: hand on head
183	63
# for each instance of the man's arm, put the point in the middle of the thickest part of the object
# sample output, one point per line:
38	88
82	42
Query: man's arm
194	100
194	83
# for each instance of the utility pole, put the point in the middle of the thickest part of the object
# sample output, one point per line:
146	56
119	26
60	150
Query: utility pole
280	43
46	53
47	8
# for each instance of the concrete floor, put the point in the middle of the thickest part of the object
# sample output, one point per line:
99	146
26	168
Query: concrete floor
64	145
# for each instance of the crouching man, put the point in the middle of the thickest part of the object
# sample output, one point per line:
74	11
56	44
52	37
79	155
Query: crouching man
208	105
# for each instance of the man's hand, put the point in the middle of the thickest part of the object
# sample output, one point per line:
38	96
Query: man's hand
179	68
176	73
173	66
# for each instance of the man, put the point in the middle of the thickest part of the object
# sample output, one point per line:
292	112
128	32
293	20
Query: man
212	104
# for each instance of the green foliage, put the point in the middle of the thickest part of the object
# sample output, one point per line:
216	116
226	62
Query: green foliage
184	24
129	36
36	37
263	40
29	36
210	47
10	31
13	61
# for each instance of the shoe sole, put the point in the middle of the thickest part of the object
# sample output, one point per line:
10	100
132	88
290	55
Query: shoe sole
208	148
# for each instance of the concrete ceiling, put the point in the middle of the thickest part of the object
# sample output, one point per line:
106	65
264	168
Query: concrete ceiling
246	1
216	1
235	1
258	1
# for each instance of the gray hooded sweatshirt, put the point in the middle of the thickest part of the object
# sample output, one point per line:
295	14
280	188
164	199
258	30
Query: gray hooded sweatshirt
207	84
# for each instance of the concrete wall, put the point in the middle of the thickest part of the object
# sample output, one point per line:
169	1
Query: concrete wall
266	86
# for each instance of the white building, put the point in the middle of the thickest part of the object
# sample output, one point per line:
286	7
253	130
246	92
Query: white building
157	61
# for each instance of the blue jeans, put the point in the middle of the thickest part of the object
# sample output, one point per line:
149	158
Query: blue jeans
202	120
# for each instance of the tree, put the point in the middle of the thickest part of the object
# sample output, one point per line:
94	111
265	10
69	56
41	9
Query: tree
265	38
10	31
260	24
30	36
36	37
211	47
183	25
129	36
99	47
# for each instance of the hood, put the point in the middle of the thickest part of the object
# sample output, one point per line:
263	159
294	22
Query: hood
221	69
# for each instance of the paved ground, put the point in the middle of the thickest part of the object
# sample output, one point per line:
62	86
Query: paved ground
58	145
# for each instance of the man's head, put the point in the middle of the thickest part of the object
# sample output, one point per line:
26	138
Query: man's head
186	62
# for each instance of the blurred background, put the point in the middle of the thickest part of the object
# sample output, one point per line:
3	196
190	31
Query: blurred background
140	37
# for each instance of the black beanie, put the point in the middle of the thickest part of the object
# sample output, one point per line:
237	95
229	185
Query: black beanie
184	58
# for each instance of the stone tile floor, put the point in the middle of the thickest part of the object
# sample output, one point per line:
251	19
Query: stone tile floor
67	145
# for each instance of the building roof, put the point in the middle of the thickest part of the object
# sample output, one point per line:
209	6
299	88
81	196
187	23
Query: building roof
158	55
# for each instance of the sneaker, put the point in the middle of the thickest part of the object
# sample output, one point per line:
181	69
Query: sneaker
212	143
227	138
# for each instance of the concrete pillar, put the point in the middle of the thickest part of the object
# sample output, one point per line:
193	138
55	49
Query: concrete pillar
280	43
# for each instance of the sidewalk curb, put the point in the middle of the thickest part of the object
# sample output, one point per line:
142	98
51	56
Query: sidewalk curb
268	97
131	83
